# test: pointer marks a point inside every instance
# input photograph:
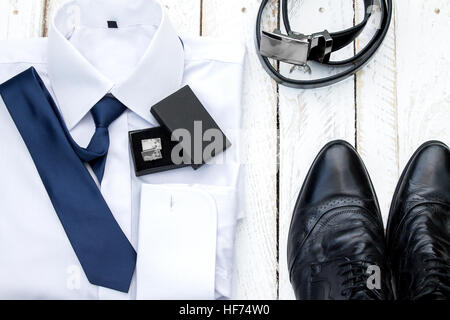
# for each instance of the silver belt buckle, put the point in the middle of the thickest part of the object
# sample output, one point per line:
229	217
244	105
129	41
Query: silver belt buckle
293	48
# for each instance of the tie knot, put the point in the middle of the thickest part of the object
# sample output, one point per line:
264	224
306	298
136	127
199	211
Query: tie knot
106	111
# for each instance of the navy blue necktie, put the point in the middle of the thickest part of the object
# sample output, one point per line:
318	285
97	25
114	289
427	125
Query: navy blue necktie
104	113
107	257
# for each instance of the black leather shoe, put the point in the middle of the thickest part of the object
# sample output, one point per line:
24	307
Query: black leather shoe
336	234
418	232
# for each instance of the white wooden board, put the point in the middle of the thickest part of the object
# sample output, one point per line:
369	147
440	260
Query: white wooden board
423	73
256	243
310	118
21	18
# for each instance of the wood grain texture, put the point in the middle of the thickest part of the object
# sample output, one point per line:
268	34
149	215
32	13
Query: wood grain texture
310	118
423	73
21	19
51	7
256	242
376	114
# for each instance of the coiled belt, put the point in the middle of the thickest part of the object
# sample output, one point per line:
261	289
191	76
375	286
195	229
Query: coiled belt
297	49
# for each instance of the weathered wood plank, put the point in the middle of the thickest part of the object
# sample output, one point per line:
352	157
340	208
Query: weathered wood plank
21	18
256	244
423	76
376	113
310	118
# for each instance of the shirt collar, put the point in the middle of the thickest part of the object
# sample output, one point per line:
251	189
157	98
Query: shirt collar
78	85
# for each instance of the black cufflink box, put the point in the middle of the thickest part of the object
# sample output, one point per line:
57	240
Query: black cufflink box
188	136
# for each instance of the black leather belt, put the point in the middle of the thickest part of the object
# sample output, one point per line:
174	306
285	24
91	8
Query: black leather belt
297	49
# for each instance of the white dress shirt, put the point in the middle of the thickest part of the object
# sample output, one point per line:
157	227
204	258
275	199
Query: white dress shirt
140	63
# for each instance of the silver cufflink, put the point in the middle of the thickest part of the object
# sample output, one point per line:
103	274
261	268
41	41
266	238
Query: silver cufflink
151	149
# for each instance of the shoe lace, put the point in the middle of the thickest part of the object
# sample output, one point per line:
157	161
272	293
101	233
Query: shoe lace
355	275
436	280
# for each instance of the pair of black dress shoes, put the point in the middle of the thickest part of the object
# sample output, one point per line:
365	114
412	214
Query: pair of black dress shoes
337	248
